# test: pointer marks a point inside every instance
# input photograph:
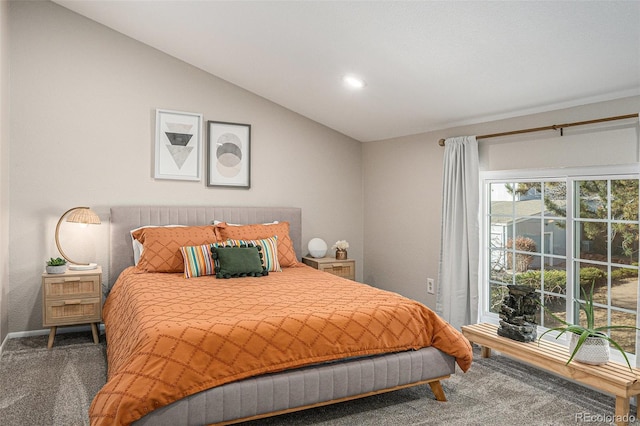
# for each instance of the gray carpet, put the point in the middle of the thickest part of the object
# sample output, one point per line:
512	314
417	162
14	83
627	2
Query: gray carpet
50	387
42	387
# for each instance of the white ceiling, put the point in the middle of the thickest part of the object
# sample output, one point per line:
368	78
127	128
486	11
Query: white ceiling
428	65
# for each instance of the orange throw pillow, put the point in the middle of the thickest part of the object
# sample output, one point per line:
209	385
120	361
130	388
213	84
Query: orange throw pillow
286	252
161	246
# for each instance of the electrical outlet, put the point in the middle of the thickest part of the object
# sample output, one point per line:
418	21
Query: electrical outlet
430	286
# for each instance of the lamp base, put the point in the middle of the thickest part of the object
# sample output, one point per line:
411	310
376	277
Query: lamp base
74	267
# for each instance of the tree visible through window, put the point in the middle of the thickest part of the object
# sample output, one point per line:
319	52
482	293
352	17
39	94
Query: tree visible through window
558	235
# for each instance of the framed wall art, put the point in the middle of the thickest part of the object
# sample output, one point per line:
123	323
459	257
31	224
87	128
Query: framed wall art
178	153
229	154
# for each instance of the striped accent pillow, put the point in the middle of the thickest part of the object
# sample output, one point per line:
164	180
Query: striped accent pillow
197	261
269	251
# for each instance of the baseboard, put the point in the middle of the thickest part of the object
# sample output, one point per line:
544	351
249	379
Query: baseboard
45	331
6	338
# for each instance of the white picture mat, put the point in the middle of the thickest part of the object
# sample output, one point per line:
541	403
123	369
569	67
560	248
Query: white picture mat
185	162
218	133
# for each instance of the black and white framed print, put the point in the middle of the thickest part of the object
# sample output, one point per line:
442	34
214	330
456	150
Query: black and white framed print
229	154
178	153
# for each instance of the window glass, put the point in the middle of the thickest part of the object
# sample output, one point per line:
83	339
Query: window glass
591	199
501	199
558	306
624	243
496	294
533	226
555	238
624	288
626	338
592	240
555	199
624	199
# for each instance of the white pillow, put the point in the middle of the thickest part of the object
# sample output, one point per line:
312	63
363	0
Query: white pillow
217	222
137	245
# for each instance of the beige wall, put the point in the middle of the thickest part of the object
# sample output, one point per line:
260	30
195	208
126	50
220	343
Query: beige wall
4	168
83	101
403	185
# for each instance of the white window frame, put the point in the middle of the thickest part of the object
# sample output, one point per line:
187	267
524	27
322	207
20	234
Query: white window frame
568	175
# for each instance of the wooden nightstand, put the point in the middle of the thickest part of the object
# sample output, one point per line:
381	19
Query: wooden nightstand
342	268
74	297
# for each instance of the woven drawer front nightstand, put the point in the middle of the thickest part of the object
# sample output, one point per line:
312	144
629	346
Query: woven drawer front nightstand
342	268
72	298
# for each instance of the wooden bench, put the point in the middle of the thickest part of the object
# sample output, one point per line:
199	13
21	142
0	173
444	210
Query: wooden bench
612	377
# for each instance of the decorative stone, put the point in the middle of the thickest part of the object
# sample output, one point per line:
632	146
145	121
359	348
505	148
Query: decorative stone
518	314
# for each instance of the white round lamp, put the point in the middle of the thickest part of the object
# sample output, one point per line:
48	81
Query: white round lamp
317	247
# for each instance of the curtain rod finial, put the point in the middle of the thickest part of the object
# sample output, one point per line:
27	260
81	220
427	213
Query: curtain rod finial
441	142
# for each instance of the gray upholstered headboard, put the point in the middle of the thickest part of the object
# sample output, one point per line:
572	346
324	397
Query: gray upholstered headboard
126	218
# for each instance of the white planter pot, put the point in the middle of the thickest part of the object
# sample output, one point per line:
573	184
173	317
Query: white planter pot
58	269
594	350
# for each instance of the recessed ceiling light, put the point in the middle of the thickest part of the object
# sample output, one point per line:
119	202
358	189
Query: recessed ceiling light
353	82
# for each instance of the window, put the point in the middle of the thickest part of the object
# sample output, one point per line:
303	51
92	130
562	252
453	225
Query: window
562	232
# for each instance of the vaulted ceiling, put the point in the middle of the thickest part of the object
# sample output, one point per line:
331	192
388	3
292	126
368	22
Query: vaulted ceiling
427	65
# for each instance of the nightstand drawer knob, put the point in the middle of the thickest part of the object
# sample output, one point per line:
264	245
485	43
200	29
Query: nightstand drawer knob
73	302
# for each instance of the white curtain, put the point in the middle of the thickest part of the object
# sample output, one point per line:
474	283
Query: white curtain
457	298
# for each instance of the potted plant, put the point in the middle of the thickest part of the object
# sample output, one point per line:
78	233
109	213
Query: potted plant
589	344
341	247
56	266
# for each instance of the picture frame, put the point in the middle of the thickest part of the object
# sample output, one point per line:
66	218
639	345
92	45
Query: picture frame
178	145
228	154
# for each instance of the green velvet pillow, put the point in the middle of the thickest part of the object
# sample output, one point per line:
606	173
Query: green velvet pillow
234	262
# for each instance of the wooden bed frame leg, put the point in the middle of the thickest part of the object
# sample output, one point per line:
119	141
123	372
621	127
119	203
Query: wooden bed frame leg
437	390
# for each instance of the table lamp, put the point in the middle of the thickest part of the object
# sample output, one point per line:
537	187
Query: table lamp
317	247
82	215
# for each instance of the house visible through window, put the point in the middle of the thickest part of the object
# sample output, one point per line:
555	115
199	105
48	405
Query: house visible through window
562	232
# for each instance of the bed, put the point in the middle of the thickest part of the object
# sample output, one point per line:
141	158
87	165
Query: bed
206	350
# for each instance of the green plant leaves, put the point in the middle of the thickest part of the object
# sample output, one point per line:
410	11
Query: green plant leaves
589	330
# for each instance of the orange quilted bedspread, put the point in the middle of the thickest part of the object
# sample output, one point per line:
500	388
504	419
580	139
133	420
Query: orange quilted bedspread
169	337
